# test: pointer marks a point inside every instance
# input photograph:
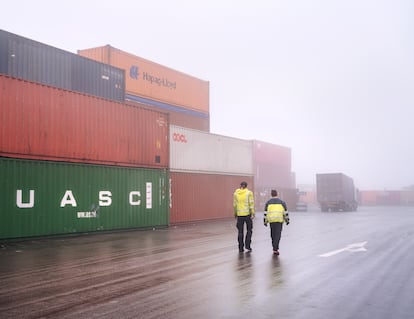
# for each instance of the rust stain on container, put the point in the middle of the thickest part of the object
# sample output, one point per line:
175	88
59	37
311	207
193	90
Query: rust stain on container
42	122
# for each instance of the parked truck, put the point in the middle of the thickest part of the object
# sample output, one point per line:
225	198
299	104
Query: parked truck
336	192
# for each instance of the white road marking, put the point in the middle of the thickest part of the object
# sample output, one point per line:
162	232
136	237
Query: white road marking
352	248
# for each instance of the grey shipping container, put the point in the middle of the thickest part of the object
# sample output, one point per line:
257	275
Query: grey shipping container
30	60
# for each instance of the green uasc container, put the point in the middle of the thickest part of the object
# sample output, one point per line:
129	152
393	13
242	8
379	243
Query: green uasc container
39	198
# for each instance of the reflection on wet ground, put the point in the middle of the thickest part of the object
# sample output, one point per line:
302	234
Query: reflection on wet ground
196	271
192	270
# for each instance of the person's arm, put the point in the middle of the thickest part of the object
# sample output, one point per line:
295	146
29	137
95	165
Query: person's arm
235	205
251	204
265	214
286	214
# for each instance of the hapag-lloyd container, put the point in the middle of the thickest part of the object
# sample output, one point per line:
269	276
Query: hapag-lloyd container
203	152
196	196
39	198
149	82
42	122
34	61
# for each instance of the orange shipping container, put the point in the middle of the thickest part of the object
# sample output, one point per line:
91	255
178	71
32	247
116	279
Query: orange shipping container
153	81
42	122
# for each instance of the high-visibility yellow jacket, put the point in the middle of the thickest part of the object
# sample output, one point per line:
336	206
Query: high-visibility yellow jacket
243	202
276	211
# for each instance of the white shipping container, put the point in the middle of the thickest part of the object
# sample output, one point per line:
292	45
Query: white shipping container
203	152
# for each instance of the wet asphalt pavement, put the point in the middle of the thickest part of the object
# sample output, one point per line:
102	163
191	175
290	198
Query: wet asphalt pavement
332	265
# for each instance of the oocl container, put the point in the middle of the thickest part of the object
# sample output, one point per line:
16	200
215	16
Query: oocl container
34	61
203	152
42	122
150	83
196	196
39	198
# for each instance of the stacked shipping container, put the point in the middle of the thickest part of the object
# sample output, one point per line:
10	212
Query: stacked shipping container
34	61
272	170
75	157
46	198
52	127
183	97
58	109
42	122
179	117
205	170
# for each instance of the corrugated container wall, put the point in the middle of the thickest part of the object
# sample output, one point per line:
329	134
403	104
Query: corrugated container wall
39	198
197	197
180	117
34	61
262	195
272	165
42	122
407	197
202	152
272	170
154	82
383	198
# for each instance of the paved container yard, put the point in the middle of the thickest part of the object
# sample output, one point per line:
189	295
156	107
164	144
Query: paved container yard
332	265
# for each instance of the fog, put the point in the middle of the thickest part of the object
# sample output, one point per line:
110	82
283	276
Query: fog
332	80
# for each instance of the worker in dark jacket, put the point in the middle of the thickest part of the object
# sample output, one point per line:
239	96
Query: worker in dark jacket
275	213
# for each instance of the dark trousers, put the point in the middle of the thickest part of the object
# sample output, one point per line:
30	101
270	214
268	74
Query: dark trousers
275	233
241	220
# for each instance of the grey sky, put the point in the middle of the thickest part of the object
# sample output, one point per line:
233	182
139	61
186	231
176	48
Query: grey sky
331	79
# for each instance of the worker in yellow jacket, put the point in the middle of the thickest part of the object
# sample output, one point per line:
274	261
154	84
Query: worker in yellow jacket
275	213
243	205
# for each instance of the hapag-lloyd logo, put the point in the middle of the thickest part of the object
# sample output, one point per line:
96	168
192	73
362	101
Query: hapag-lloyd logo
177	137
134	73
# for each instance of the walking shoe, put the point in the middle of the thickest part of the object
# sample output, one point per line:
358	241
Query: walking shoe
241	250
276	252
249	249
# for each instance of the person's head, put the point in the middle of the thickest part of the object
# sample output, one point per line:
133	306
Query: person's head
243	185
273	192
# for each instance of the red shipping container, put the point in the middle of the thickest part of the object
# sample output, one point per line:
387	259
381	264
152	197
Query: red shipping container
42	122
368	198
197	196
272	165
380	198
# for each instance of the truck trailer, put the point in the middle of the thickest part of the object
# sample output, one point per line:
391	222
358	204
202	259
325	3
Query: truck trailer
336	192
